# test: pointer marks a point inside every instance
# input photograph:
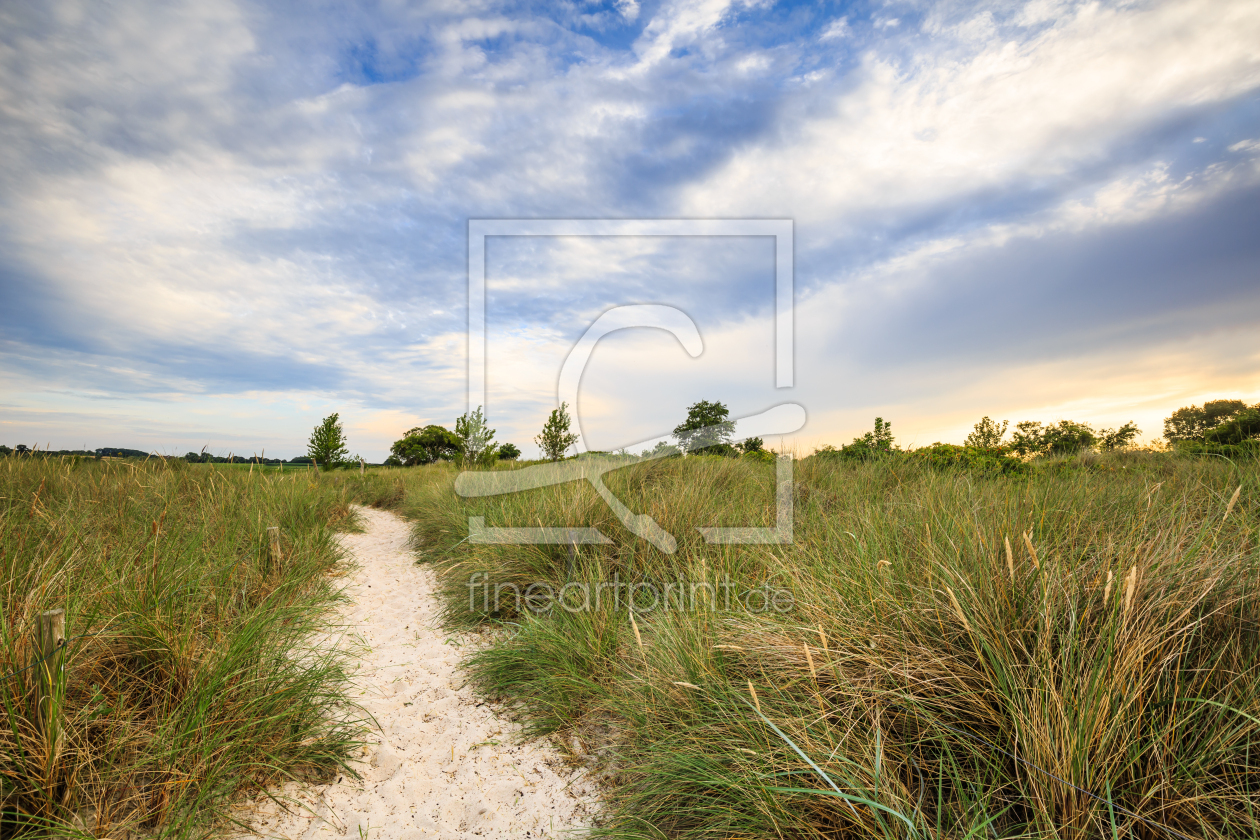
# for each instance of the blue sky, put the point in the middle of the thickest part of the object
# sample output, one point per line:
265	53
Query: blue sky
220	221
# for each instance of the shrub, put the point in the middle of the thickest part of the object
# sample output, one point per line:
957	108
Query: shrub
986	434
877	443
425	446
993	460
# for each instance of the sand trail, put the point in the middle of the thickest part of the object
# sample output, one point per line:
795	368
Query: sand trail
443	764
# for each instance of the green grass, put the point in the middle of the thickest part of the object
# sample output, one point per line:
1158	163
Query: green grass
921	677
192	679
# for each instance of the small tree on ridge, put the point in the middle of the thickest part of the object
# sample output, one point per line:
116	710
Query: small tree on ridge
556	438
327	446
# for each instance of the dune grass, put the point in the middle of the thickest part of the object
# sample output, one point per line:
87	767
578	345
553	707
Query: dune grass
1071	653
193	676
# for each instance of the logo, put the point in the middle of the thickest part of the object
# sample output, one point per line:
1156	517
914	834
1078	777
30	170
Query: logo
775	420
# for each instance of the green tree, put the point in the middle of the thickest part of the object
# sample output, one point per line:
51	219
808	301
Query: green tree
752	444
878	441
874	444
556	438
1062	438
476	440
424	445
1110	439
1240	426
327	446
1193	422
509	452
662	448
986	434
707	429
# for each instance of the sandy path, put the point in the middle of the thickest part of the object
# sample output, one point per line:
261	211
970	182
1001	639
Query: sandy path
445	765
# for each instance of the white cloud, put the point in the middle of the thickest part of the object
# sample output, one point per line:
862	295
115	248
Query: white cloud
1010	110
838	28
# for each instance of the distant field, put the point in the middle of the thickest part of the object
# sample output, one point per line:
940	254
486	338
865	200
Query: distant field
925	681
189	678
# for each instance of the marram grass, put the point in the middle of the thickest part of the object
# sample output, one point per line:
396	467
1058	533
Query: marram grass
1069	653
193	674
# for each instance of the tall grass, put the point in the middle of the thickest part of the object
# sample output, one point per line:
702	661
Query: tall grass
192	677
1097	679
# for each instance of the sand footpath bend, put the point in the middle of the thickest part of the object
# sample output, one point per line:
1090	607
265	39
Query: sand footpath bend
445	765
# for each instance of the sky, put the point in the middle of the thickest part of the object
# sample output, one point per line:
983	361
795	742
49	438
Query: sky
222	221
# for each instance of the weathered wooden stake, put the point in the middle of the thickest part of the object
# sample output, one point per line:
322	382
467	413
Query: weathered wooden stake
571	548
274	534
51	647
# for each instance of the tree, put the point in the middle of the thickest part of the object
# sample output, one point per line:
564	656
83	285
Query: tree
1110	439
706	429
426	445
476	440
1192	422
327	446
1242	425
874	444
509	452
556	438
752	444
1062	438
986	434
662	449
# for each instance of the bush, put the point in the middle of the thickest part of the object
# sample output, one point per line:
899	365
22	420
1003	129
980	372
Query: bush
993	460
986	434
877	443
1245	449
425	446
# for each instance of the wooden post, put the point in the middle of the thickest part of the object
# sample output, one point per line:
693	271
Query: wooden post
51	648
361	468
273	533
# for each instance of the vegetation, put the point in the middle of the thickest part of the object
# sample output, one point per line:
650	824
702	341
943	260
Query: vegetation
508	452
190	676
876	443
327	446
1191	423
1225	428
707	429
986	434
476	441
555	439
956	640
425	446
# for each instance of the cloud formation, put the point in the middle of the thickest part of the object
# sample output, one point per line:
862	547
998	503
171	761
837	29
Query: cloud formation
220	219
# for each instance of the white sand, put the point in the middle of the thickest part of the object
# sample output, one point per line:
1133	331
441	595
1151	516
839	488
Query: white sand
445	765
